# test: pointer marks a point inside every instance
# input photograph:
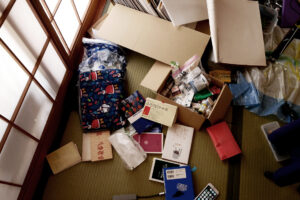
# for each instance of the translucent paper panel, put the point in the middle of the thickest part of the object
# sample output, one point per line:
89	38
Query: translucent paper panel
60	37
51	71
3	126
9	192
81	6
16	156
67	22
3	4
51	4
23	34
12	83
34	111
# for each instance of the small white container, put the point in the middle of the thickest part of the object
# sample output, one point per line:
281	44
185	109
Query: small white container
268	129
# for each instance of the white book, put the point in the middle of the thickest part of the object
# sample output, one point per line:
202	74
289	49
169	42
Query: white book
178	143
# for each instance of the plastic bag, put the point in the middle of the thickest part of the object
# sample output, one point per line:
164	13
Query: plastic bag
128	149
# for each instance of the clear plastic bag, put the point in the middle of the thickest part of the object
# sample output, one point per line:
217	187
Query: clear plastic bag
128	149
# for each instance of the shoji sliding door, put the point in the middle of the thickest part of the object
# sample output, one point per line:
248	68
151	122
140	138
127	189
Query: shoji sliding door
39	41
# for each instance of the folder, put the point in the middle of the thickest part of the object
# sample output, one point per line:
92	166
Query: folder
223	140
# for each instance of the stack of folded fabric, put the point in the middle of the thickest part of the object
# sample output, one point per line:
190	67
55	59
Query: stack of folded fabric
101	75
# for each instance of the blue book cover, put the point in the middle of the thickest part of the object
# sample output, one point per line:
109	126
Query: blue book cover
178	183
142	124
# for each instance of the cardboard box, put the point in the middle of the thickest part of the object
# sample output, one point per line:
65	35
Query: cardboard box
155	80
150	35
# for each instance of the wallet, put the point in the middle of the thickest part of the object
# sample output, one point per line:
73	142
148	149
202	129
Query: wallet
223	140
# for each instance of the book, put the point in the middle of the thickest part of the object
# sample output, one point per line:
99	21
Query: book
157	172
178	143
178	183
187	11
140	124
64	158
223	140
151	142
96	146
159	112
236	32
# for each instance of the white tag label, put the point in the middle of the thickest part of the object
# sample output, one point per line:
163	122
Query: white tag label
175	174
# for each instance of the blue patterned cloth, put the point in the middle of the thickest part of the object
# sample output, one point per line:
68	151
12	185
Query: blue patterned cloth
101	87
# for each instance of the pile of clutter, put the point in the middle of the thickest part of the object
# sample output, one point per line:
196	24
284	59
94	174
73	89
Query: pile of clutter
191	87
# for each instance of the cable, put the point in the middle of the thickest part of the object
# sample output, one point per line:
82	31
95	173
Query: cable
150	196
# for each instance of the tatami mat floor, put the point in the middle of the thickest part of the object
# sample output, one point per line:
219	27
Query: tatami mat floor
102	180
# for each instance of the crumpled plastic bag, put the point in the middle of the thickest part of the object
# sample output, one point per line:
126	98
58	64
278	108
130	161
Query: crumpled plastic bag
265	90
131	153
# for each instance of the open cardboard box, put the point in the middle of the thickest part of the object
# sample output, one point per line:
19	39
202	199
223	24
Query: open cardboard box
156	78
149	35
160	40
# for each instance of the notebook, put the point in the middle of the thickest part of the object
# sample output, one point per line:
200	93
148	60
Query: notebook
178	183
236	32
151	142
223	140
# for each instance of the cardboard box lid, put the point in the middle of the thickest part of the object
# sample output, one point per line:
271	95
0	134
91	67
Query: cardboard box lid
150	35
157	75
183	12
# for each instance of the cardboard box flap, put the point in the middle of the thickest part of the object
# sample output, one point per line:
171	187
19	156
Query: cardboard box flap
156	77
221	105
151	36
184	115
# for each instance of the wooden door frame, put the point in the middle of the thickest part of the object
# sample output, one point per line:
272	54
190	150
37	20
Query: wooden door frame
39	163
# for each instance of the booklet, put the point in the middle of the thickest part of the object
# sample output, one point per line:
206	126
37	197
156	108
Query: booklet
178	143
151	142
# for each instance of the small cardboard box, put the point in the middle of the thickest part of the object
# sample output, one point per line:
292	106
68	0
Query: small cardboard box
155	80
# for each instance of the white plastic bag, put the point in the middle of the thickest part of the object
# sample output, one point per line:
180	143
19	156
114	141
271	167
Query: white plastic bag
128	149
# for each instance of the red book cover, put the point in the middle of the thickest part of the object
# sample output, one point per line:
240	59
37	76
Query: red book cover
150	142
223	140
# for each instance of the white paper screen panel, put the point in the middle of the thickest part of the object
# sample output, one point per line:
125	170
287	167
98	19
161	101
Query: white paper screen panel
51	71
23	34
66	21
16	157
52	4
3	126
12	83
3	5
82	6
9	192
34	111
